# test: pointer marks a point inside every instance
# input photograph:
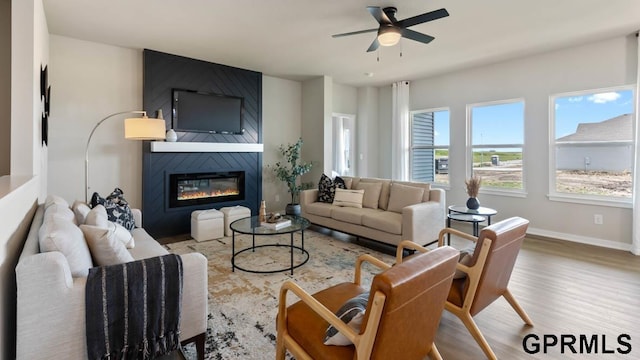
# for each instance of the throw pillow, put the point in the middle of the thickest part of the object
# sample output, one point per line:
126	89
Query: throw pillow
98	217
55	199
466	255
402	196
60	211
352	313
80	210
117	208
105	248
327	188
348	198
57	234
371	193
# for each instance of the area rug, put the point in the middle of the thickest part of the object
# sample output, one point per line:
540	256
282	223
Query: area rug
243	306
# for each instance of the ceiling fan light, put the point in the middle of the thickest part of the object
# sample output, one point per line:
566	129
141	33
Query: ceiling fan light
389	35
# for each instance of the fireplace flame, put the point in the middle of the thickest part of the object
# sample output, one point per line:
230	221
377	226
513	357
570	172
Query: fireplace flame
207	194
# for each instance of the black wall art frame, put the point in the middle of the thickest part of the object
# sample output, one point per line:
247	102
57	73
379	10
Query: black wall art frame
45	98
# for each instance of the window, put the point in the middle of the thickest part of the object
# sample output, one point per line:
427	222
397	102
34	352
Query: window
430	146
497	141
593	144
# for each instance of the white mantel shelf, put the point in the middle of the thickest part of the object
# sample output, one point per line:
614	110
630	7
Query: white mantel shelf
162	146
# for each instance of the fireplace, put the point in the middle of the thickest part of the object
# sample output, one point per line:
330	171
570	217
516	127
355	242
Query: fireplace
205	188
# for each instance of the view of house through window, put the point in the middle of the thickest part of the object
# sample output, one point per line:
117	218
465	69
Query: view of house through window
497	139
430	146
593	138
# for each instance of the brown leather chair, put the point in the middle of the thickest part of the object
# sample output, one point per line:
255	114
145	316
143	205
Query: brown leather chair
488	273
401	318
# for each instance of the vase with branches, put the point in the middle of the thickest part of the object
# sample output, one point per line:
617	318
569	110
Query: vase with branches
289	170
473	188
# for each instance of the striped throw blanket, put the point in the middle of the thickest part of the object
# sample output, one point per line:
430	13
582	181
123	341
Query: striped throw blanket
133	309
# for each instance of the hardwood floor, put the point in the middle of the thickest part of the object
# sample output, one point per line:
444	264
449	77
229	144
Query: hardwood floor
566	288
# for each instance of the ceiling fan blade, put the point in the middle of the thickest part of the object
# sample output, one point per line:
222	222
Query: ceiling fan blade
414	35
379	15
374	45
419	19
354	33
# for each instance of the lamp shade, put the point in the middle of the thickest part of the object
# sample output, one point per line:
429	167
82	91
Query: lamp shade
389	35
144	129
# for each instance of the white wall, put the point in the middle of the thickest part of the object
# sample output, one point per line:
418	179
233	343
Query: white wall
367	125
5	86
316	126
91	81
344	99
534	78
281	124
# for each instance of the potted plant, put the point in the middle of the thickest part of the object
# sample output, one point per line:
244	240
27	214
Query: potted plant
289	170
473	187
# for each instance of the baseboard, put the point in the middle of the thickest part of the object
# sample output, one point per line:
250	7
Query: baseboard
580	239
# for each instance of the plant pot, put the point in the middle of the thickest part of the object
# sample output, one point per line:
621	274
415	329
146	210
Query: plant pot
292	209
473	203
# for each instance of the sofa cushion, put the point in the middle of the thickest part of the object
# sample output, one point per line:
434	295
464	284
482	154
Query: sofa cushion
426	186
386	221
80	210
106	248
319	208
55	199
348	198
348	214
146	246
403	195
371	193
383	202
327	188
59	211
57	234
98	217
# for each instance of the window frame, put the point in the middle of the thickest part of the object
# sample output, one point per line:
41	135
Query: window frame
445	186
469	147
588	199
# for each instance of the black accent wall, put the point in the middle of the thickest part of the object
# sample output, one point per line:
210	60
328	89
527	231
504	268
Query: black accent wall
162	73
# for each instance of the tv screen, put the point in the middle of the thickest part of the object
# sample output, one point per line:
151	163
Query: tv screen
206	112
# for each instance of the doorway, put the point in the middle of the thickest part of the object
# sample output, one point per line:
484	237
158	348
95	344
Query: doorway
344	135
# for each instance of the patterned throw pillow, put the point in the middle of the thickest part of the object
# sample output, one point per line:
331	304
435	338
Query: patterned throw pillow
327	188
117	208
352	313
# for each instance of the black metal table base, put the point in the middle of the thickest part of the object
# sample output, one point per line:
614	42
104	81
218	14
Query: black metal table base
253	248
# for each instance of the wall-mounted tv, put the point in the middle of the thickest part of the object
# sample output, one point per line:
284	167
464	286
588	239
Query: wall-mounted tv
196	111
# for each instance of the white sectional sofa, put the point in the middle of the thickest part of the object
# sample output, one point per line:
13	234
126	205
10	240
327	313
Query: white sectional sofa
51	301
392	211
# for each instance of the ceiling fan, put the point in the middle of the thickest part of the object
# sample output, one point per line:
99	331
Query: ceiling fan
391	30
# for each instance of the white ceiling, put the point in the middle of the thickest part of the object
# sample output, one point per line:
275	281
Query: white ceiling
292	38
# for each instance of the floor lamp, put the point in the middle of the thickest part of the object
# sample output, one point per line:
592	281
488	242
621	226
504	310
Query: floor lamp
141	128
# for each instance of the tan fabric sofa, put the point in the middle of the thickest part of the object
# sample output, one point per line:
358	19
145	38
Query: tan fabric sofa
51	302
387	220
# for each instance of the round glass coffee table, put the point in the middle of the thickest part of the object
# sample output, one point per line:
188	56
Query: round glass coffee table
251	226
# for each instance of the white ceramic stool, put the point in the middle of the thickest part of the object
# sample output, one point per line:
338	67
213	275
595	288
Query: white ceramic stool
207	224
233	213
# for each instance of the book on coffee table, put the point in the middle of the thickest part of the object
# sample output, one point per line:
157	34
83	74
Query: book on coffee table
282	223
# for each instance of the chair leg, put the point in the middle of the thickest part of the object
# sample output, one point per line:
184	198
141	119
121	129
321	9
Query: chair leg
434	354
280	350
467	320
516	306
